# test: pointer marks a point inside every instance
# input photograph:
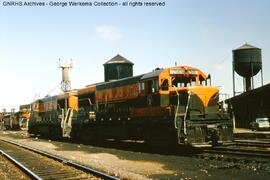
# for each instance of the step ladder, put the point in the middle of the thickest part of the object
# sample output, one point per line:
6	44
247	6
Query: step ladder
66	123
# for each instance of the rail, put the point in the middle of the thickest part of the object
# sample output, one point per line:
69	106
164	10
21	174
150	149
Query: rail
67	162
21	166
243	148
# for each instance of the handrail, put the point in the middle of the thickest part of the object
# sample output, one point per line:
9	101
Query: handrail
185	117
177	107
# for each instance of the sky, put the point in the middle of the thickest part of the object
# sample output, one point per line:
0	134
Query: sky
190	32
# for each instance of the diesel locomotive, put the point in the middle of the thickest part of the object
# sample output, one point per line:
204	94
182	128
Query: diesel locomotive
9	120
174	105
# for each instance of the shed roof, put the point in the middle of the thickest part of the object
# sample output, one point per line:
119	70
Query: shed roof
254	93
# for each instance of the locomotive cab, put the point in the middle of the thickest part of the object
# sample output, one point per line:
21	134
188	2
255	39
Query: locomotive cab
194	104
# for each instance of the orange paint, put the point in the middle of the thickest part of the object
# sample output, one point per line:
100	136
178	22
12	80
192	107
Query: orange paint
73	102
204	93
118	93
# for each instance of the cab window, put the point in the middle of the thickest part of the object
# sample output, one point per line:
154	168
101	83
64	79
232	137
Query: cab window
183	81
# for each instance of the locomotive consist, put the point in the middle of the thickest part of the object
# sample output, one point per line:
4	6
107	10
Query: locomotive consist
9	120
171	105
15	120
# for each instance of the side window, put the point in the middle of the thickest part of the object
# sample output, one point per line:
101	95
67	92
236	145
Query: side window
208	81
149	87
193	82
141	87
203	83
165	85
155	88
152	86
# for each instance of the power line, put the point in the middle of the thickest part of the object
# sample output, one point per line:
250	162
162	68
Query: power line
53	89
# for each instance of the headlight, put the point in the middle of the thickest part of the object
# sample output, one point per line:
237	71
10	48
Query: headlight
211	126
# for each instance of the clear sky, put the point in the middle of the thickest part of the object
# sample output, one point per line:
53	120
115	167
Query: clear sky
200	33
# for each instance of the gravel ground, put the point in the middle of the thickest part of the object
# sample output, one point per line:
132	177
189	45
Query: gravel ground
10	171
136	165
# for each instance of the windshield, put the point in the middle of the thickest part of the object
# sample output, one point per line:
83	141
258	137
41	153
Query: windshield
183	81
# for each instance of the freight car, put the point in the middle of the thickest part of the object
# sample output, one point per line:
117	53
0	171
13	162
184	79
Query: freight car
172	105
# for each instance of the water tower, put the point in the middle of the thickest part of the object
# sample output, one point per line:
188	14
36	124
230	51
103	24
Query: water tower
117	68
247	62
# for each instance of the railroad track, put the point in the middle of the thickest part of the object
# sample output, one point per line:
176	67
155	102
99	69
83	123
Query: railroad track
252	143
239	152
41	165
243	148
238	156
